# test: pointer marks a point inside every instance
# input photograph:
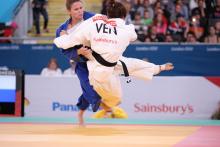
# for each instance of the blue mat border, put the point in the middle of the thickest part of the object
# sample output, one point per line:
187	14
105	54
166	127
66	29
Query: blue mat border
109	121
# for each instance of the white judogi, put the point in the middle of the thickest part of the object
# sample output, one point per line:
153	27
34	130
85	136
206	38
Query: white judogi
109	38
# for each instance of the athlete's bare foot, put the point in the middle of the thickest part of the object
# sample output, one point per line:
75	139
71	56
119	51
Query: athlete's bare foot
169	66
166	67
80	118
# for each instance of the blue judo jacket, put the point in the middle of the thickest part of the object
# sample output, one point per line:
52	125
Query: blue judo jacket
71	53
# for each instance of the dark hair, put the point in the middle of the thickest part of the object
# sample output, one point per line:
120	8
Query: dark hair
52	60
70	2
192	33
116	10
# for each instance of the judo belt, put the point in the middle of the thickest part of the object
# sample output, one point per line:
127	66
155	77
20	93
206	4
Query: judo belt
102	61
126	73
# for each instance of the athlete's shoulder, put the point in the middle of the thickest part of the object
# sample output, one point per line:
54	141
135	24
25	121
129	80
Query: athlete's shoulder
97	17
63	26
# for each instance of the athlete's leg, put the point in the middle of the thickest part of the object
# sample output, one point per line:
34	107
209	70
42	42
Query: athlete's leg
109	90
81	118
89	94
142	69
82	105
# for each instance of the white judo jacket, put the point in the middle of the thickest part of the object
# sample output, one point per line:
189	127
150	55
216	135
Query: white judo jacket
109	38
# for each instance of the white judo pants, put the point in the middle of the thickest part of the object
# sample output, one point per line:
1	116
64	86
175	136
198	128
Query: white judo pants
106	82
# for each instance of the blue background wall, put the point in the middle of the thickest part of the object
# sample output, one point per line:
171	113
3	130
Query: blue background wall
193	60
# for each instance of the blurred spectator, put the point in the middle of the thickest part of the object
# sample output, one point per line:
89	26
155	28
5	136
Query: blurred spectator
179	28
147	39
40	7
160	22
158	5
180	8
153	1
3	68
166	10
191	37
216	10
146	20
70	71
136	8
52	69
137	19
184	9
193	4
168	4
157	8
216	114
174	20
147	7
210	4
154	36
197	25
186	3
169	38
217	27
203	13
139	28
212	37
200	9
128	16
8	30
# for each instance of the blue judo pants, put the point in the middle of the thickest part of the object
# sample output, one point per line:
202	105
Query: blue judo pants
89	95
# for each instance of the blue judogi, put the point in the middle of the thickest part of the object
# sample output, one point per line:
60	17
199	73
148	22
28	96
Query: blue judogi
89	95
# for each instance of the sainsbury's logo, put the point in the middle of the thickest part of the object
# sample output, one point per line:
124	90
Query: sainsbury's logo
164	108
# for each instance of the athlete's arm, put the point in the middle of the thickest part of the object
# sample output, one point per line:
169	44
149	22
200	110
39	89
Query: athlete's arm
80	36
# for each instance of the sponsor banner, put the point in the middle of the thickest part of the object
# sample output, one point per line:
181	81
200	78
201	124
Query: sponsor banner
51	96
171	98
161	98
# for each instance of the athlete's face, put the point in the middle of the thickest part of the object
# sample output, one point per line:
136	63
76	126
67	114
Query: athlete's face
76	11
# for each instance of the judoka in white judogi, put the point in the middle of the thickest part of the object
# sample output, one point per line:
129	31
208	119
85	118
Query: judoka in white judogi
109	38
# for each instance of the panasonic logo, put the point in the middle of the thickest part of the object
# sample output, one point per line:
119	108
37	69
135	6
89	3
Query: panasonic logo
57	106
